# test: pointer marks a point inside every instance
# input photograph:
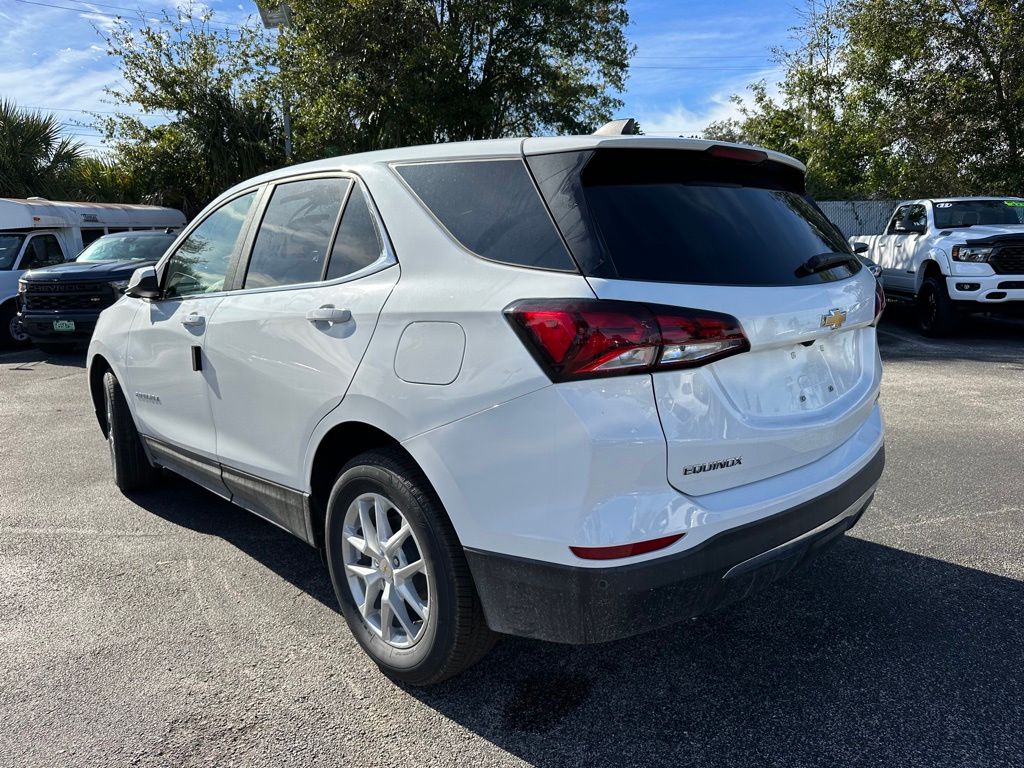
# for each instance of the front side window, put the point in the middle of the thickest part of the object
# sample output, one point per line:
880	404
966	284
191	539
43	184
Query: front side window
201	262
358	244
492	208
917	217
295	235
43	251
898	217
10	247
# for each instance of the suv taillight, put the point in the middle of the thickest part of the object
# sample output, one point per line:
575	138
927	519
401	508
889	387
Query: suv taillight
588	338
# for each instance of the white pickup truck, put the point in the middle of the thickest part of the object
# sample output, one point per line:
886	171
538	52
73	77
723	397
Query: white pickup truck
952	256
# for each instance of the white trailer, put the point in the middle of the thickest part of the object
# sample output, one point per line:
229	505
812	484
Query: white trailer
39	233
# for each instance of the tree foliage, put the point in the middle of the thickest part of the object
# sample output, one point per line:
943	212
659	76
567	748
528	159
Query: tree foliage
369	74
35	160
213	88
889	98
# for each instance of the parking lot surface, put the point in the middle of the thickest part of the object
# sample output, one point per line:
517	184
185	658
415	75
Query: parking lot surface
175	629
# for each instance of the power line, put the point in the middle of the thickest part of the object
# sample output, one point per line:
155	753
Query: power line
82	10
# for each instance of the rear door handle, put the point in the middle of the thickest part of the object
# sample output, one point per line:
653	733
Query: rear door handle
328	314
193	320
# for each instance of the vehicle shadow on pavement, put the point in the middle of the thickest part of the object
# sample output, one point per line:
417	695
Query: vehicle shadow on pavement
870	655
32	356
979	338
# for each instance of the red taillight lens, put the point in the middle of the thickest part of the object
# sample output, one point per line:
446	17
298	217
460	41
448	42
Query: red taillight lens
586	338
625	550
879	302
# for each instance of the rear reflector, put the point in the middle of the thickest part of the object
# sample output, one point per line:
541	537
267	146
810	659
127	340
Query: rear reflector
625	550
737	153
587	338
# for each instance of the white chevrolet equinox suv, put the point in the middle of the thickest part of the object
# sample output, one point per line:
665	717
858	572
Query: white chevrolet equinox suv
567	388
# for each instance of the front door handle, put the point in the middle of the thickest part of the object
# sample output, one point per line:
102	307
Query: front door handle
328	313
193	320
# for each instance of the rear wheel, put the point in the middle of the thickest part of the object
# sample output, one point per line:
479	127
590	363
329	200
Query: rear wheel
11	335
936	315
132	470
399	572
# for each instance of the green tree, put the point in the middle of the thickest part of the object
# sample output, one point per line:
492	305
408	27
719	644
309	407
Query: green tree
35	160
369	74
212	87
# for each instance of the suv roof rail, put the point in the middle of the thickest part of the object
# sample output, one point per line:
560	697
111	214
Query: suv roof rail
626	127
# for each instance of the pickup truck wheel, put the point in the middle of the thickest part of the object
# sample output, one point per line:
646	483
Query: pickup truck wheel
936	315
399	572
132	470
11	335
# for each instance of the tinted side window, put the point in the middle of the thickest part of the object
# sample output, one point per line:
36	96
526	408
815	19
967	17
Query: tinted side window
358	244
43	251
202	260
918	216
896	219
89	235
492	208
295	235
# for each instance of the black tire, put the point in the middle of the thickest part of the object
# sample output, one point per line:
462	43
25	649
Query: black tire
132	470
454	636
11	336
936	315
56	347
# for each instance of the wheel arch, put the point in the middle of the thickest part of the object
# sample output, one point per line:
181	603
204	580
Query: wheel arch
98	368
930	266
339	445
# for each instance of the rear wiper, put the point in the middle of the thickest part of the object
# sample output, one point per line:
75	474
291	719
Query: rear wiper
824	261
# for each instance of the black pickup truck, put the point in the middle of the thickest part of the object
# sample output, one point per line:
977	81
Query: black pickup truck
58	305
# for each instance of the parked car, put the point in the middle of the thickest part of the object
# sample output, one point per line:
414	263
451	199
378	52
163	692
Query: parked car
37	233
952	256
58	306
566	388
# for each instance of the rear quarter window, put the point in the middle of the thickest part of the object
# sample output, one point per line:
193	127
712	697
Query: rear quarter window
492	208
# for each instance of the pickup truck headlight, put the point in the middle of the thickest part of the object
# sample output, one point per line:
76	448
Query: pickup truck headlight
22	286
119	285
970	253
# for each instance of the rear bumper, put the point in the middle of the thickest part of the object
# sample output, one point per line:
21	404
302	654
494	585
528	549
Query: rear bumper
567	604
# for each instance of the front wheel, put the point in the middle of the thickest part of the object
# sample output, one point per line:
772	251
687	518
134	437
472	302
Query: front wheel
936	315
132	470
399	572
11	335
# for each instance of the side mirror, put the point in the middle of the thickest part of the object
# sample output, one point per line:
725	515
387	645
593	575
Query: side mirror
860	248
143	284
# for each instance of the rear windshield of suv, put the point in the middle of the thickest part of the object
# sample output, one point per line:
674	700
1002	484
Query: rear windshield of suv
684	217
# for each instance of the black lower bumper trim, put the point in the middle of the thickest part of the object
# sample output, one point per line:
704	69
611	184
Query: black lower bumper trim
567	604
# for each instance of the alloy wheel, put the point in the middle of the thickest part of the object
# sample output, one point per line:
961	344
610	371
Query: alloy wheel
16	331
386	572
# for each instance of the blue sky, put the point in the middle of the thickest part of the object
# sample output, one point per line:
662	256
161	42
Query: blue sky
691	56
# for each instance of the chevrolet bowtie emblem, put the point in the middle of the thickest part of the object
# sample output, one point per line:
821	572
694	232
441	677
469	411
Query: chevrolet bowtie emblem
834	319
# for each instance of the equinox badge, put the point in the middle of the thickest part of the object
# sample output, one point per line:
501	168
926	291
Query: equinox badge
834	319
696	469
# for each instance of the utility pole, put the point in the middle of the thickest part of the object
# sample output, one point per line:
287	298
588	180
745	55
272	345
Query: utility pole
279	18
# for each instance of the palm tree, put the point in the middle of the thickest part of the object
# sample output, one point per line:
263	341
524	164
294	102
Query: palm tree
34	158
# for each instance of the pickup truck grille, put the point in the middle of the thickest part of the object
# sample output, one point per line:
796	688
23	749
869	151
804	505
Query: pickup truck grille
50	297
1008	260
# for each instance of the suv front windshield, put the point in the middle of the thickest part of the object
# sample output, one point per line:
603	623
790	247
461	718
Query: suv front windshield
10	247
127	247
968	213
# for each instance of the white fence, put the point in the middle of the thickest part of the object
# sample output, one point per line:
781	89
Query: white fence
859	217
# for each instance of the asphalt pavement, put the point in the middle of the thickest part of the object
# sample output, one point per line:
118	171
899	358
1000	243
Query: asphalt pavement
172	629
